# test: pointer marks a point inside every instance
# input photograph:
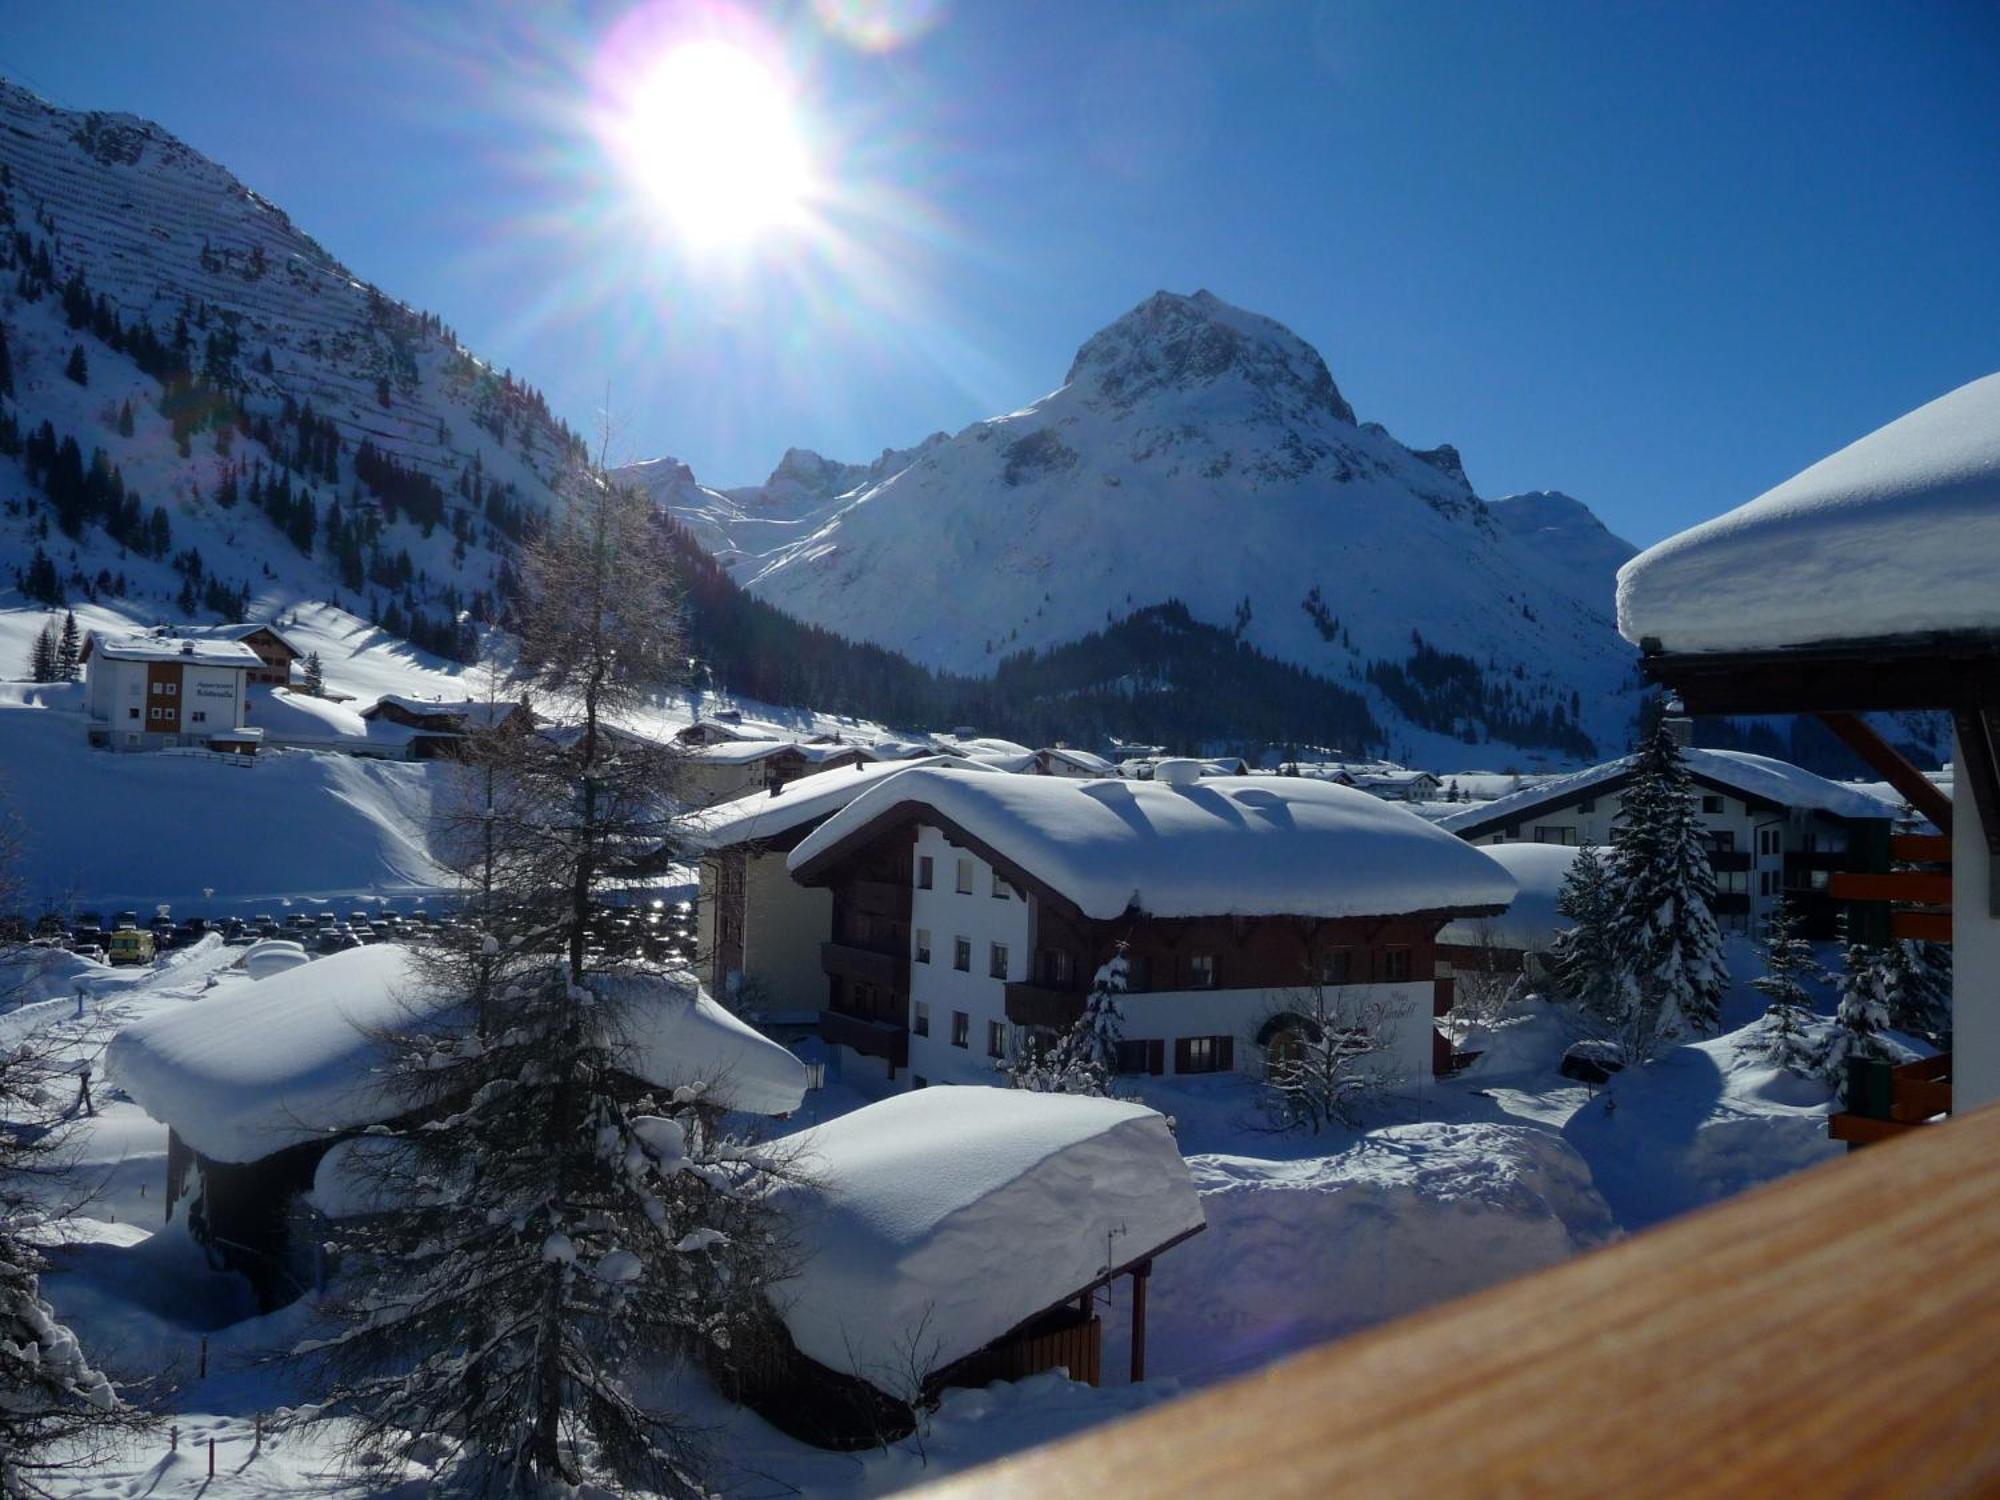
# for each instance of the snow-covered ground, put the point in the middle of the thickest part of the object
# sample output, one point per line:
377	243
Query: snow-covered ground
1504	1170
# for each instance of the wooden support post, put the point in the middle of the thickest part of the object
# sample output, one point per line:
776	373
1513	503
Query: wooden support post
1141	1274
1859	736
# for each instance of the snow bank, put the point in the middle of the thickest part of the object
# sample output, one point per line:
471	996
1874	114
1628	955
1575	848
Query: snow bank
1298	1252
943	1218
1531	920
29	975
1894	534
258	1067
1240	845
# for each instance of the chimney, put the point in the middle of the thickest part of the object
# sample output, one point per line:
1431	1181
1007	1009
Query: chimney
1679	726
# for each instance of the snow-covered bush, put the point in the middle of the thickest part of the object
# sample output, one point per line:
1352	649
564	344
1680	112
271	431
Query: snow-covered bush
1328	1053
1084	1059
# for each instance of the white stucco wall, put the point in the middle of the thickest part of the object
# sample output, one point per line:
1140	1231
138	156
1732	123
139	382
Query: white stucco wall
1975	961
784	924
983	919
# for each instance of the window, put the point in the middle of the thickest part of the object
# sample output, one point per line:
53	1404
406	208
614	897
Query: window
965	877
159	688
1769	841
1336	966
1205	1054
996	1039
1138	973
1058	968
1723	840
921	1023
923	945
918	1081
173	688
961	955
199	716
1551	833
1395	965
132	713
1000	891
1767	882
158	712
996	960
923	872
1201	971
1142	1057
961	1029
1711	804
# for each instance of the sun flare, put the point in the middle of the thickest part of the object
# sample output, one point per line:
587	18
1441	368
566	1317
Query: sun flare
712	136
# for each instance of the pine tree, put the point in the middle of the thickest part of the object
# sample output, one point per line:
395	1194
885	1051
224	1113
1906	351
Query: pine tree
69	649
1868	976
1662	934
1581	956
77	368
1788	1017
1919	996
1084	1059
6	365
45	655
558	1218
315	675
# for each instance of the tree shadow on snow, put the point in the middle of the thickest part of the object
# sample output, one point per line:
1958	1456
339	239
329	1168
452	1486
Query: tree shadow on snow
1639	1133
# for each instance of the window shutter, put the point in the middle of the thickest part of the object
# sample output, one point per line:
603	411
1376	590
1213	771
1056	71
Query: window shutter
1183	1056
1156	1057
1225	1054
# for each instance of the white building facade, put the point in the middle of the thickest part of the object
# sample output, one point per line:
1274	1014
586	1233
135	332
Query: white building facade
152	692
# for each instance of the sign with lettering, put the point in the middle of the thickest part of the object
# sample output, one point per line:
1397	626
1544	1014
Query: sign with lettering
215	690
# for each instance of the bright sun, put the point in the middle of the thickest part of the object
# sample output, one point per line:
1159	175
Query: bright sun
711	135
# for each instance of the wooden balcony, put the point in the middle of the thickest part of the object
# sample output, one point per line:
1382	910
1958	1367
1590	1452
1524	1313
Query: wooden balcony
886	971
1887	1100
1038	1005
882	1039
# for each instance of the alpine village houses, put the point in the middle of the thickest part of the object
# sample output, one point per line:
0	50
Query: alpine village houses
970	912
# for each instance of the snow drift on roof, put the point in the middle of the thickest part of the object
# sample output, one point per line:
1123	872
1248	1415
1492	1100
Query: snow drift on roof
942	1218
1531	921
210	653
766	815
1235	846
252	1069
748	752
1894	534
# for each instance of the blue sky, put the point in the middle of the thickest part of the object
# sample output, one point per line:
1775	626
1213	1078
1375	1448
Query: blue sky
1659	256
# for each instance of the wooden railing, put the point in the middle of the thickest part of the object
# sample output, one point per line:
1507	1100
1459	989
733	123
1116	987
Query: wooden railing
1837	1333
1887	1099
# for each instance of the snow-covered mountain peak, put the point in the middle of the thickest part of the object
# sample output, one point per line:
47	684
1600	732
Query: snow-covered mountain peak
1176	344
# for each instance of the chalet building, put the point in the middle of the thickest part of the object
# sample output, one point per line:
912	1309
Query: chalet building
1397	785
708	774
158	691
724	727
1773	829
759	932
958	1237
274	651
1866	584
263	1083
437	727
970	913
1081	765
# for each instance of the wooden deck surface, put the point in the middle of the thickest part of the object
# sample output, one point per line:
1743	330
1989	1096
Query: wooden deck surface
1837	1333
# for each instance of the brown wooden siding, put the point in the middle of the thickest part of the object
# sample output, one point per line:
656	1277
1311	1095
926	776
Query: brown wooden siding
161	675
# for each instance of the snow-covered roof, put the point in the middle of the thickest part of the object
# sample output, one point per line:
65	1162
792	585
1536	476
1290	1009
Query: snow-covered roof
237	632
1748	775
940	1219
468	711
769	815
1232	846
749	752
982	745
301	719
255	1068
207	653
1896	534
1531	921
1083	760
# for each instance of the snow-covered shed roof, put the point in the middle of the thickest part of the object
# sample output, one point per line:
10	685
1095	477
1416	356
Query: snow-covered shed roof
1896	534
254	1068
1082	760
1756	776
769	815
1234	846
749	752
1531	920
149	647
941	1219
301	719
467	711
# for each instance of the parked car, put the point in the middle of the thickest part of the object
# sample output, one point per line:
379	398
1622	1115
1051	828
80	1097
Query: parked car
90	951
125	919
129	945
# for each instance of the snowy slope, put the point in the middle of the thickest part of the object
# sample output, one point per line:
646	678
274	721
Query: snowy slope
156	235
1200	452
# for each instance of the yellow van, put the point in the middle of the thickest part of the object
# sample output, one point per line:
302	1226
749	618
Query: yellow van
128	945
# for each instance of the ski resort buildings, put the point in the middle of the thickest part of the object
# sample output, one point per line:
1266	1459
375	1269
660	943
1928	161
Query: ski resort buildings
1774	829
158	691
969	912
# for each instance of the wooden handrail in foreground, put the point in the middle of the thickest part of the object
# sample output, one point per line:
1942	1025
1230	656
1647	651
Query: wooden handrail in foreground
1837	1333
